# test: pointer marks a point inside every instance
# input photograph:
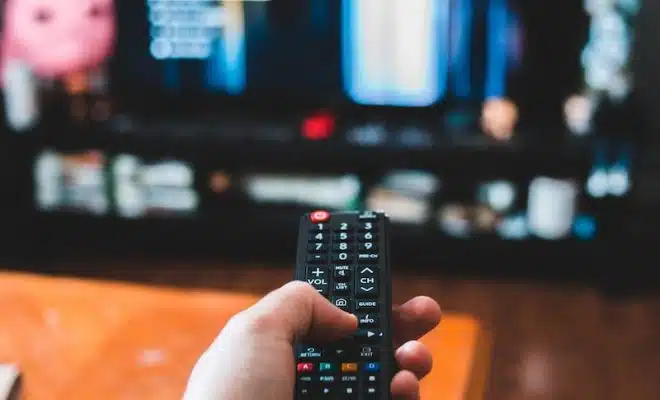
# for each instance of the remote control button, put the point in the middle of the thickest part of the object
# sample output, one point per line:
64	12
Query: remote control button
366	305
319	216
370	392
304	391
367	237
367	246
317	228
349	391
349	367
318	237
345	349
367	321
306	352
342	257
317	277
367	227
342	303
342	288
366	282
315	272
326	367
305	367
340	352
318	247
341	247
326	390
370	386
349	379
369	258
317	259
368	216
342	237
343	227
369	353
371	367
367	335
342	273
370	290
326	379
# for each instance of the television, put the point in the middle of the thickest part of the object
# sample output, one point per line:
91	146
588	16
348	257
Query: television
465	120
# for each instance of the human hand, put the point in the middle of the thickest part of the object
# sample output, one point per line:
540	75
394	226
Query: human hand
253	356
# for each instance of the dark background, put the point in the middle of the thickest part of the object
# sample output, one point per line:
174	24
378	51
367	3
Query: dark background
623	256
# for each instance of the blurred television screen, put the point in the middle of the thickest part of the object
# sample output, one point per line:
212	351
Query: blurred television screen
495	67
153	187
406	196
73	182
304	83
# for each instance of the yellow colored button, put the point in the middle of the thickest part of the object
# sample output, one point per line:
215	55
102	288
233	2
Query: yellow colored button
349	367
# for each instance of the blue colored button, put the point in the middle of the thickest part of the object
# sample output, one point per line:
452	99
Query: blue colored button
372	367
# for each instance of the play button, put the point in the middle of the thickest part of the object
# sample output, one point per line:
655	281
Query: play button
367	335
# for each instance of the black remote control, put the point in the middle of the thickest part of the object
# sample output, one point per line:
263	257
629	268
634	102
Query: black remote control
345	256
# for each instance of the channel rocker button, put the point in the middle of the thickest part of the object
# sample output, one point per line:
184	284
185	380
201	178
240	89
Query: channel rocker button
319	216
366	281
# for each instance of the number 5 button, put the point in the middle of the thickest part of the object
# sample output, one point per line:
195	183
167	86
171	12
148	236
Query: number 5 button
366	281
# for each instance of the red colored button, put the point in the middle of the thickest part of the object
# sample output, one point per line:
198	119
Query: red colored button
320	216
305	367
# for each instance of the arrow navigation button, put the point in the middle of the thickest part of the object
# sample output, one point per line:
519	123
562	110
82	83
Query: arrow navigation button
368	335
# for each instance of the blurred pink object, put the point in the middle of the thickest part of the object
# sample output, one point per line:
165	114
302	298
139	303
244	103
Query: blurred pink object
58	37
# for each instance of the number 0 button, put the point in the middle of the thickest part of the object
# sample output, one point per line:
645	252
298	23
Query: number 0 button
341	257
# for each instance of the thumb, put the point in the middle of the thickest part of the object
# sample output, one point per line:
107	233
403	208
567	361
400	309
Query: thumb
297	312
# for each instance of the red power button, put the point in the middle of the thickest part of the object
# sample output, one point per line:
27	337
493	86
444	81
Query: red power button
319	216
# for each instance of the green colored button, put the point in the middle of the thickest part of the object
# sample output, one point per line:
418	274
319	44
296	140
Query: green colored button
325	367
